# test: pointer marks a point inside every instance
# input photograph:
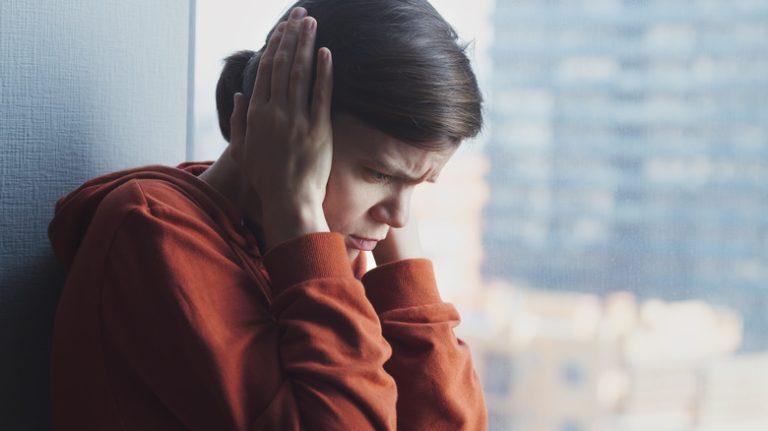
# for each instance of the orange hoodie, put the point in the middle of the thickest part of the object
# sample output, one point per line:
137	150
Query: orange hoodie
171	319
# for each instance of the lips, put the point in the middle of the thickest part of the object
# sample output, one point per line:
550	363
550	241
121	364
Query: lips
363	244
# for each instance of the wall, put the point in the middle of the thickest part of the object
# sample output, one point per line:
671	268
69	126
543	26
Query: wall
86	87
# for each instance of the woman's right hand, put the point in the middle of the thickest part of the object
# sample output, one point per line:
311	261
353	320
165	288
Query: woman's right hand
283	143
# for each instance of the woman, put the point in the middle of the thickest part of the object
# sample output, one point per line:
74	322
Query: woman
233	295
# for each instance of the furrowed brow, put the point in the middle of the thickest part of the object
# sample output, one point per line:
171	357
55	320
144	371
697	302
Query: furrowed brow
395	172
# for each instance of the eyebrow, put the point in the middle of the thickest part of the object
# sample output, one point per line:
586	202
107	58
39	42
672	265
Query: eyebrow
393	171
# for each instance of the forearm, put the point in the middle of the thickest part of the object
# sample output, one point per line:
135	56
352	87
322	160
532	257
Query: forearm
437	385
282	223
331	349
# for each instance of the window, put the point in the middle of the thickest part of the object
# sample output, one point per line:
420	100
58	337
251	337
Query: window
616	203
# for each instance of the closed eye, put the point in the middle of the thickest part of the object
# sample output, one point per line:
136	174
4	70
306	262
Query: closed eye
380	177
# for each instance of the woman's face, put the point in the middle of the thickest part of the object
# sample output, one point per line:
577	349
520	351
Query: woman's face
372	178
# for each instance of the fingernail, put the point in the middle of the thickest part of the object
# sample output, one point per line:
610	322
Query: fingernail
309	24
298	13
280	27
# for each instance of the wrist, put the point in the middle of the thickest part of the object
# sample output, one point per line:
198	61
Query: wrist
283	223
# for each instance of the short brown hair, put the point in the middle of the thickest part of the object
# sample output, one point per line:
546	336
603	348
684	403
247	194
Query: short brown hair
397	67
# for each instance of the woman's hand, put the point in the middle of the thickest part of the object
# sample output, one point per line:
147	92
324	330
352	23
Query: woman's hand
283	144
400	243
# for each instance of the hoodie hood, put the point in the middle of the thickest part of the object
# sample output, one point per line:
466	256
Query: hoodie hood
74	212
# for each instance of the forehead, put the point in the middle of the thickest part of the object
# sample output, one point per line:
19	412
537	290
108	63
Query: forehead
356	139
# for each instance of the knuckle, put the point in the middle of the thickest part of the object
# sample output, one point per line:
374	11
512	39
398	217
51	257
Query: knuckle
281	58
294	25
255	111
278	116
298	72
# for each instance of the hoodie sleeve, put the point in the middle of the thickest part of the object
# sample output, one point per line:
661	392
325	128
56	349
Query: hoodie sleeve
437	385
181	317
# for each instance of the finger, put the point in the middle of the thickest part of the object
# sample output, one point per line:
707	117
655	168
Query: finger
323	92
264	72
237	127
300	78
284	55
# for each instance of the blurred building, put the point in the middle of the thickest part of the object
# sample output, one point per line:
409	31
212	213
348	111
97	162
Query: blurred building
559	361
735	395
629	150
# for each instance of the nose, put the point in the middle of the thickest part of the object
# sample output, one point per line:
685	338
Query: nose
393	210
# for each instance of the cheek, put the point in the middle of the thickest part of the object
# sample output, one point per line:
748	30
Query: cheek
347	201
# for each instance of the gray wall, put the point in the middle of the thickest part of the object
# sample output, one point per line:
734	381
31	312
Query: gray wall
86	87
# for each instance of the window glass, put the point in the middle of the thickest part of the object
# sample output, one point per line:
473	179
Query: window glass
606	237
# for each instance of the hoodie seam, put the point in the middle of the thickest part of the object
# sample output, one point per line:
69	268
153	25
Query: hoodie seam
143	196
152	206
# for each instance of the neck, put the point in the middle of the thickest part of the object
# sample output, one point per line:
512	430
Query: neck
225	177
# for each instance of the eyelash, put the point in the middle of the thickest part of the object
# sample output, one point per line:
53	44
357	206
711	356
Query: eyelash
380	177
